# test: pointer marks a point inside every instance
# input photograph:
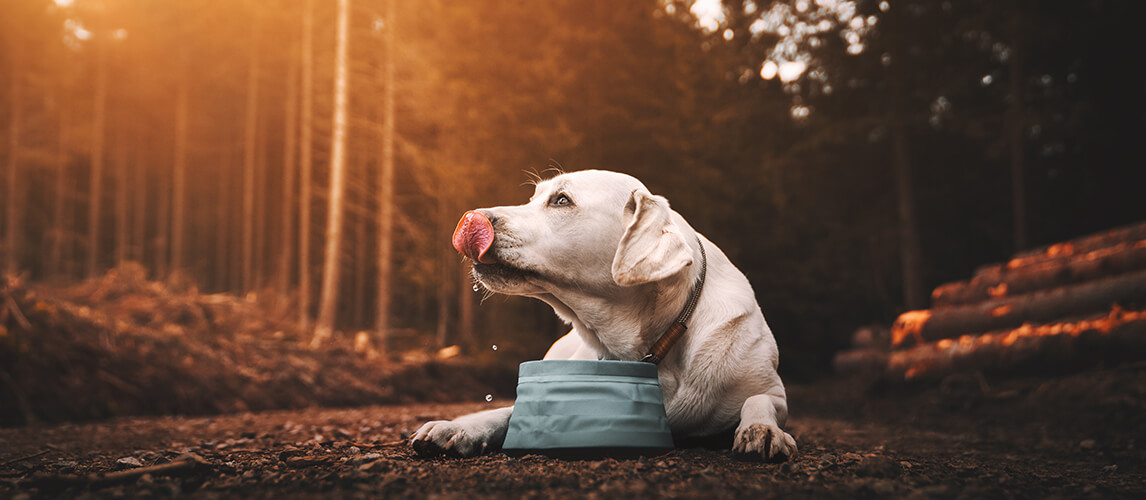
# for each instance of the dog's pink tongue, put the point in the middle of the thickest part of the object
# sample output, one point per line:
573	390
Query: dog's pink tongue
474	236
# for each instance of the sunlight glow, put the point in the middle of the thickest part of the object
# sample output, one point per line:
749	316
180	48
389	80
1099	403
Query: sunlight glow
791	70
64	3
709	14
77	30
768	71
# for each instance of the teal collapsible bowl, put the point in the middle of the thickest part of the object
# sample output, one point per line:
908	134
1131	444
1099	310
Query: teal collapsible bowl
583	408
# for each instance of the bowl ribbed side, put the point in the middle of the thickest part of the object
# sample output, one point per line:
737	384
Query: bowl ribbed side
588	404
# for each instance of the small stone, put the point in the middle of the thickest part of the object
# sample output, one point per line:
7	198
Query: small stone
1110	468
1086	444
129	462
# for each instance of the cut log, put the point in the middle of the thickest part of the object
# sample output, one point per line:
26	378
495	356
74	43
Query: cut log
1083	244
1002	280
1119	333
873	336
1012	311
859	361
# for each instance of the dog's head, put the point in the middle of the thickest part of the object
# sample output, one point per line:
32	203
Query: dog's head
590	232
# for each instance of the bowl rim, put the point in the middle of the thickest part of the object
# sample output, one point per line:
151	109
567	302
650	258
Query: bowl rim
574	367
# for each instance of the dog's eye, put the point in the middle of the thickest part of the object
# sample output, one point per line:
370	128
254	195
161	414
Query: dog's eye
560	200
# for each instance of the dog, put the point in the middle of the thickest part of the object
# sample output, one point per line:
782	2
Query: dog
620	266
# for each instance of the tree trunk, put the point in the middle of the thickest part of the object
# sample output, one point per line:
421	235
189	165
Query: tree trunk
60	202
98	126
1011	312
914	297
223	217
14	228
448	270
466	294
179	183
139	237
163	183
305	159
249	157
260	225
122	190
328	300
361	259
290	125
1015	125
386	186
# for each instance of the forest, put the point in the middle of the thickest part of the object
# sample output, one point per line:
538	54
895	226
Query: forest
848	156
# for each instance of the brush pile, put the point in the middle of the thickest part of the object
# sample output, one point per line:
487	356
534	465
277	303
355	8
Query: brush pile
123	345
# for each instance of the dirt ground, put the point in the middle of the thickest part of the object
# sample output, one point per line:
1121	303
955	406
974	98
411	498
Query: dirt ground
1066	436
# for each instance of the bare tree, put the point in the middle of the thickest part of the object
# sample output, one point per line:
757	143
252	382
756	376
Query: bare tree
386	185
250	131
60	205
14	214
122	189
99	119
328	300
139	233
179	174
290	131
305	159
223	226
1015	137
908	224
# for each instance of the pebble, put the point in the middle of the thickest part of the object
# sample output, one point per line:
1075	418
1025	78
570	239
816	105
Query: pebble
129	462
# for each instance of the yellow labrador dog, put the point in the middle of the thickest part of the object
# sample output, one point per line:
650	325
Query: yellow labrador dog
620	266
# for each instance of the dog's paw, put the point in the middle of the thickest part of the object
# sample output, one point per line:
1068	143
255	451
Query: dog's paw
447	437
762	441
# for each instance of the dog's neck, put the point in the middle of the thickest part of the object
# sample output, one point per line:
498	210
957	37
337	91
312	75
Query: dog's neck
626	324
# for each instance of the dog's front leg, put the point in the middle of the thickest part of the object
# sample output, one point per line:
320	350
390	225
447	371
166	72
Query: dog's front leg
759	433
465	436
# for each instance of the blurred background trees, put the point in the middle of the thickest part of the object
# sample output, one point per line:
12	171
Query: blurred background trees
847	155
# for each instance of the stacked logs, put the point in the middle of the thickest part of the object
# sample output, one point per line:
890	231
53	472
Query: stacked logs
1054	305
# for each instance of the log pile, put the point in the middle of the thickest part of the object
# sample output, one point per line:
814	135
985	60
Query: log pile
1055	306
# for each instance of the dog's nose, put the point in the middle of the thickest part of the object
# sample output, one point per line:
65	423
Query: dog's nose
474	236
489	216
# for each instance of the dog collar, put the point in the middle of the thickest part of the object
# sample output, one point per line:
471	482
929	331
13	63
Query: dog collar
658	351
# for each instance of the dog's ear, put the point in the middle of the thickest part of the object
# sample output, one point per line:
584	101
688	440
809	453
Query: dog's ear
652	247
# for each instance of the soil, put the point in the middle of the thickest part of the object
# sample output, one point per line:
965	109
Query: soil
1070	436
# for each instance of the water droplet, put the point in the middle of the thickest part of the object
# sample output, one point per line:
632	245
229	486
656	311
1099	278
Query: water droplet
488	398
475	287
495	347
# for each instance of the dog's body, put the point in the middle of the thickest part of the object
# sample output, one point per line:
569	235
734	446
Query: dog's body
618	264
